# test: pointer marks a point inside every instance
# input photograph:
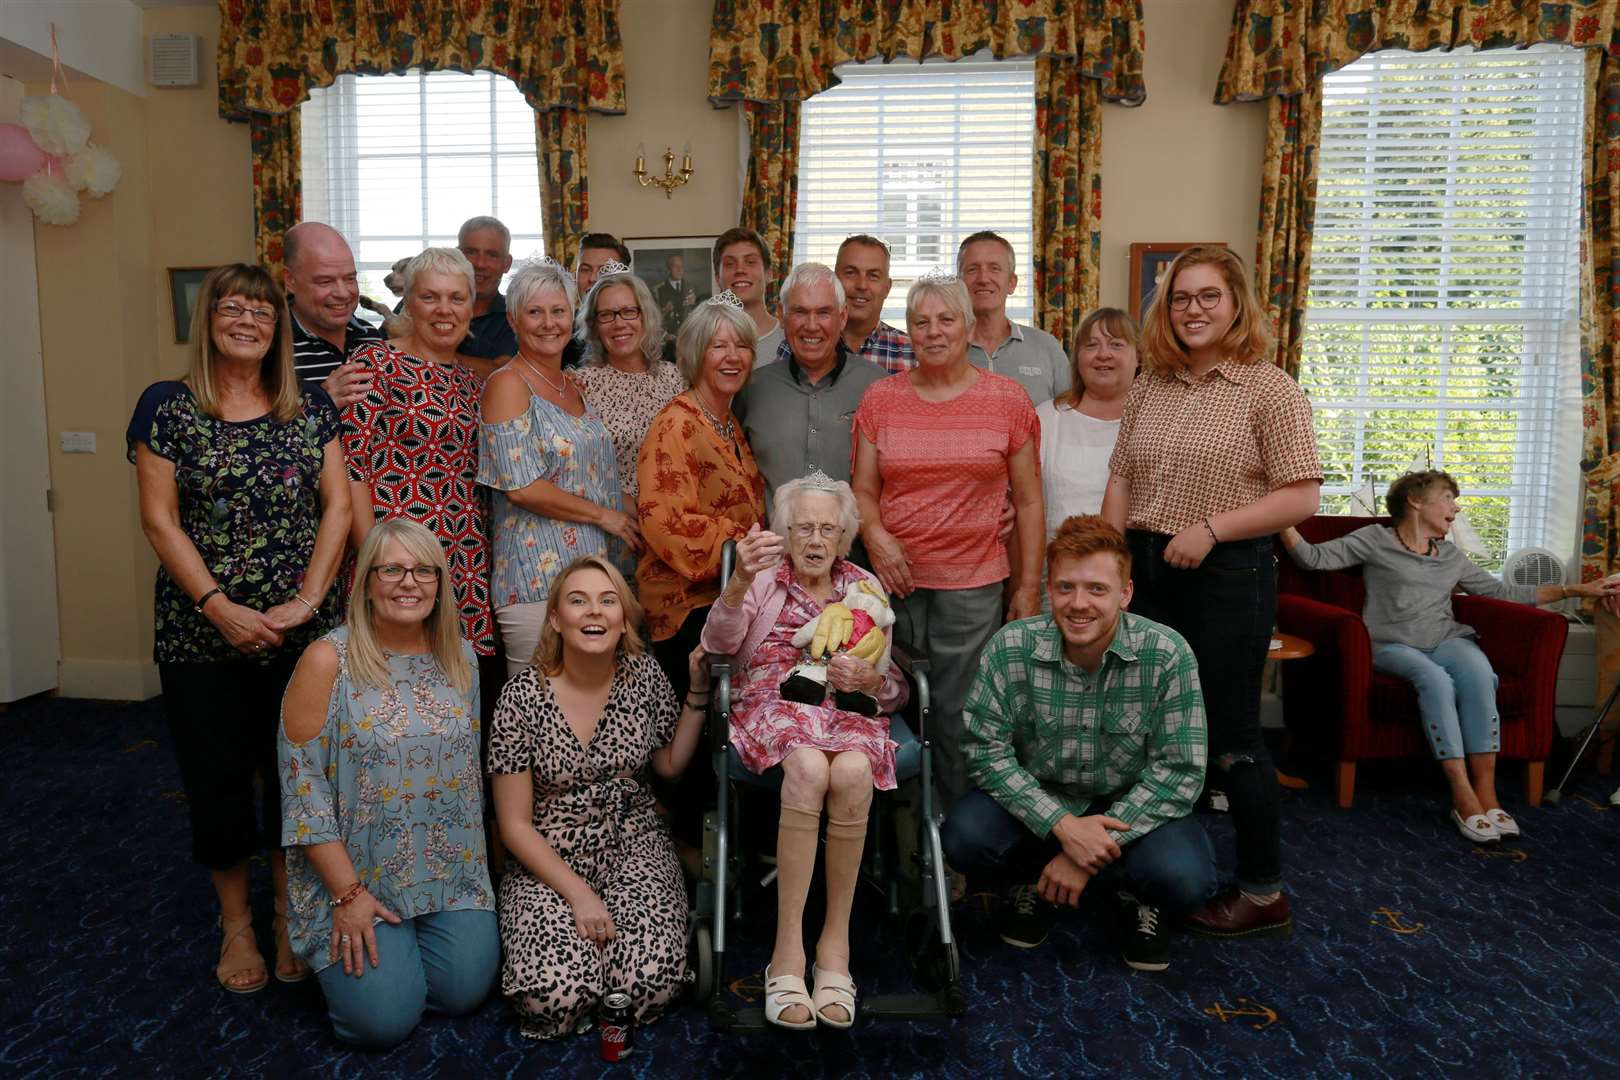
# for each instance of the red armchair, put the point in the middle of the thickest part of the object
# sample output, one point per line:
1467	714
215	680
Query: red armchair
1336	696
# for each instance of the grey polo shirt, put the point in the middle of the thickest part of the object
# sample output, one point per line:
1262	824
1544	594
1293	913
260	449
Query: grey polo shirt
795	427
1033	358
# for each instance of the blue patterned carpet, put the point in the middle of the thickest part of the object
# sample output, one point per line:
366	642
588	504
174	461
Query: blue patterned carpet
1415	955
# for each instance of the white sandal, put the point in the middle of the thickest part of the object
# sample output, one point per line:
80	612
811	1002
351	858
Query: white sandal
833	988
782	992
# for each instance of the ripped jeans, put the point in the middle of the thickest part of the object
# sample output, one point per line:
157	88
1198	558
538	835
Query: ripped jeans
1456	690
1225	608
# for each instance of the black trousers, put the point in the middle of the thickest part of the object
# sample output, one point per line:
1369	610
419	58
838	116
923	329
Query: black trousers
224	718
1226	608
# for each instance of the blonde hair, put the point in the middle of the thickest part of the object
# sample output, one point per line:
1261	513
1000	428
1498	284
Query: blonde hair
276	373
1115	323
442	627
548	654
949	289
1248	339
700	329
438	260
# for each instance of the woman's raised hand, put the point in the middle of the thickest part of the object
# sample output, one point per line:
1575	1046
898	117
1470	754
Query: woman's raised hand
759	550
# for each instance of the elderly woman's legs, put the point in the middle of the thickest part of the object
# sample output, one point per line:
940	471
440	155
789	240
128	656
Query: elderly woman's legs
805	776
849	800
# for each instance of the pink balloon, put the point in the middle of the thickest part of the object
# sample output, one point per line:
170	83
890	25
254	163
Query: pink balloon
19	157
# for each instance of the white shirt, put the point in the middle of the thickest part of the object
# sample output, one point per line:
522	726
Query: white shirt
1075	449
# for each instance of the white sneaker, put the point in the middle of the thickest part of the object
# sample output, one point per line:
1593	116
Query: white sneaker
1477	828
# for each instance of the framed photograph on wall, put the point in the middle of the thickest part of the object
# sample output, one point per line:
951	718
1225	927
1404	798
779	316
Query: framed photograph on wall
678	269
1148	264
185	282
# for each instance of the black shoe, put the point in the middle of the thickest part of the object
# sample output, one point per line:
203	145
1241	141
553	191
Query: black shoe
1027	923
1144	941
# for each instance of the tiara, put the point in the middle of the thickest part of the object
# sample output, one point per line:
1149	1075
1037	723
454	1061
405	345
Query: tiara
611	267
726	297
940	273
819	481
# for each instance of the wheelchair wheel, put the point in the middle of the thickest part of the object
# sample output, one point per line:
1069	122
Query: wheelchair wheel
700	961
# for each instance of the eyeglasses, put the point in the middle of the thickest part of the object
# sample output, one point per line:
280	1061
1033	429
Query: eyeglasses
392	574
232	310
806	529
1207	299
604	316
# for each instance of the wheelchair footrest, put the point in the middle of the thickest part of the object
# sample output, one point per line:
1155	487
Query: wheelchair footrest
904	1007
725	1018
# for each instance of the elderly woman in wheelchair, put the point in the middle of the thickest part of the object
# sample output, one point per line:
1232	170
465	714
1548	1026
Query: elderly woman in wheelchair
812	689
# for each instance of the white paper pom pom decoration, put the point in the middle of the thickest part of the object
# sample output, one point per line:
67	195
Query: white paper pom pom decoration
55	123
94	169
51	198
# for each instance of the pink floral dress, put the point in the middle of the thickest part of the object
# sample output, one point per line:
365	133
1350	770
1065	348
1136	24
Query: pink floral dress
765	729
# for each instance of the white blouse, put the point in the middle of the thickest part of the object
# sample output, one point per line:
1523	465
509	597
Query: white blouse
1075	449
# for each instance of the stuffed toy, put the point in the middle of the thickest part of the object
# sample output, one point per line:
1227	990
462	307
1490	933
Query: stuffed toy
854	627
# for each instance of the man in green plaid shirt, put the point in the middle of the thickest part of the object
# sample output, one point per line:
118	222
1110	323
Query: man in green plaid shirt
1084	733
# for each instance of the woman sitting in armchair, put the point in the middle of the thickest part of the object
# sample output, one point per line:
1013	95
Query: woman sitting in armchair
812	692
1410	573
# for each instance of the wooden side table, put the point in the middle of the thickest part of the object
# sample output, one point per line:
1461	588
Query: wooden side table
1290	647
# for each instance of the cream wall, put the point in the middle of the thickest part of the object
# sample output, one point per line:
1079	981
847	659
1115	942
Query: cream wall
185	201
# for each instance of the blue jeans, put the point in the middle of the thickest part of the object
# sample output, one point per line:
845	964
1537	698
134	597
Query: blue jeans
1456	691
445	961
1172	868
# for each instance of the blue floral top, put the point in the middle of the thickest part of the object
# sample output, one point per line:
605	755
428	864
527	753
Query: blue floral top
575	453
394	776
249	499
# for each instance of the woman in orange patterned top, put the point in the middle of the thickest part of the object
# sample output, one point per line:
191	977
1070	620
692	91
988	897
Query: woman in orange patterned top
699	486
936	450
1216	454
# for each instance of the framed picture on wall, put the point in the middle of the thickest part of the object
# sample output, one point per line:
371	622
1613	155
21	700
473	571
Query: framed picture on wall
678	269
185	282
1148	264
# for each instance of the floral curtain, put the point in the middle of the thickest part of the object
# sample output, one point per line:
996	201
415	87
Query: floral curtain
564	57
773	54
1281	49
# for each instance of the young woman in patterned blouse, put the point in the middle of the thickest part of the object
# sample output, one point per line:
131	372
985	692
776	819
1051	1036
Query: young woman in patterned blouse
1215	455
243	498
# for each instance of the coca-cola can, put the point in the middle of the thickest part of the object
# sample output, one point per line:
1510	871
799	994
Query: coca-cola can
615	1027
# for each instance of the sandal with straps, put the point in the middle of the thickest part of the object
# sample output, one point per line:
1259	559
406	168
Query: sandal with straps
284	953
782	992
225	972
833	988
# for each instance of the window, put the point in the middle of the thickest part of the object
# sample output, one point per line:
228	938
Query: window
1443	308
397	162
920	155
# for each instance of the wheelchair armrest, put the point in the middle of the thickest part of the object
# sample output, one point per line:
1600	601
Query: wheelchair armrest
719	719
911	662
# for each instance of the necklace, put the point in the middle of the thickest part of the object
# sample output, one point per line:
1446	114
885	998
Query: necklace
1412	549
561	387
726	429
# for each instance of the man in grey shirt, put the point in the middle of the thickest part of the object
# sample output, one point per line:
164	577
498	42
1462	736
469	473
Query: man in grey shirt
1030	355
797	415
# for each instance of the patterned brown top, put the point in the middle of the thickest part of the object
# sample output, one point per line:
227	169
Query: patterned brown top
697	492
1190	447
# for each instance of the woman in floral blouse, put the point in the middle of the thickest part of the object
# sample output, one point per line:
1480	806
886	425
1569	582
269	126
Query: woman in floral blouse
544	452
243	498
382	802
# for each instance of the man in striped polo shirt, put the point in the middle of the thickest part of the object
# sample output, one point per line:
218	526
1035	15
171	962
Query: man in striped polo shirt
323	292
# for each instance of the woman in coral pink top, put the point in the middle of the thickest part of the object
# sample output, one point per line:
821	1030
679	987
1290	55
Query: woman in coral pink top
936	450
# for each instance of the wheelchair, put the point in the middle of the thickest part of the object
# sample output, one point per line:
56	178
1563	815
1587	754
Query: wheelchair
924	913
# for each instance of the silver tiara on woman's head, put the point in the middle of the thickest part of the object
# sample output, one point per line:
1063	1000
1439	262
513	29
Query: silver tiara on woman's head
611	267
726	297
819	481
940	273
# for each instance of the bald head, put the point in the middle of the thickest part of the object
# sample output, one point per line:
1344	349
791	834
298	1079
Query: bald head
320	278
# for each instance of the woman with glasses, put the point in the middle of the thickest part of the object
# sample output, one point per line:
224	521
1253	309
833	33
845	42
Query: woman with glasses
625	375
382	801
1216	454
412	440
243	498
833	746
548	458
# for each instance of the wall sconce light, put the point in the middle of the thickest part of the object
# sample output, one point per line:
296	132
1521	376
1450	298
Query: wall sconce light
671	178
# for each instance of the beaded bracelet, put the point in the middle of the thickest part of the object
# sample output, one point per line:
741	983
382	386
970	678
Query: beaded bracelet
354	890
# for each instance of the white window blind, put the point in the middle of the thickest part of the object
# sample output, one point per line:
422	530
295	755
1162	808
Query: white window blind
920	155
1443	307
397	162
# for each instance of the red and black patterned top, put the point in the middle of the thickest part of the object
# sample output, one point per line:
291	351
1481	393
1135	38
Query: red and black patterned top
698	490
413	440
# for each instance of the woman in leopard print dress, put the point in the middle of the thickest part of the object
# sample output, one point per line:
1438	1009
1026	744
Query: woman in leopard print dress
593	901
